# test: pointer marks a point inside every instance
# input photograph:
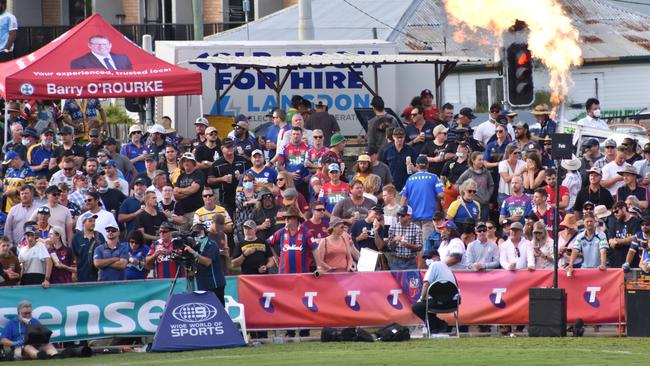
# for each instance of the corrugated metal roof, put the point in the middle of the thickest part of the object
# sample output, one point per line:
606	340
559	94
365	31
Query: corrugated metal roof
332	59
606	30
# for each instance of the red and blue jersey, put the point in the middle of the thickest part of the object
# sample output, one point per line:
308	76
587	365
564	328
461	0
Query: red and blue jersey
165	266
331	194
313	154
294	158
295	250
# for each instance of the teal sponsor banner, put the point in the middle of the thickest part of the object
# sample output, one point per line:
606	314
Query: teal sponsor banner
85	311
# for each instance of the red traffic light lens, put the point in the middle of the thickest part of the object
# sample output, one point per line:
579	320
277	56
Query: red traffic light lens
523	58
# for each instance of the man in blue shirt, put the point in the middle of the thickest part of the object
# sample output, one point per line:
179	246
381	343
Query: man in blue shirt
38	155
84	243
437	272
13	335
111	258
209	277
422	192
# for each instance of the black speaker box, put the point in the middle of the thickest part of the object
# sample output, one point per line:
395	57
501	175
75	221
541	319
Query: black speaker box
547	312
637	303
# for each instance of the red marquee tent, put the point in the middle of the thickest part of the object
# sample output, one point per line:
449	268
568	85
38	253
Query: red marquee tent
94	60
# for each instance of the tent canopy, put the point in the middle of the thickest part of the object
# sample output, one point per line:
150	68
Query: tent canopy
94	60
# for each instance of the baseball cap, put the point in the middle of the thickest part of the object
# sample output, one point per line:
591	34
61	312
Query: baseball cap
157	129
422	160
334	167
201	121
43	210
66	130
595	170
111	225
257	152
188	156
110	141
227	142
364	157
377	208
610	143
516	226
52	189
93	133
426	92
439	129
481	224
521	124
87	215
30	229
210	129
112	163
241	124
30	131
405	210
9	156
467	112
250	224
140	181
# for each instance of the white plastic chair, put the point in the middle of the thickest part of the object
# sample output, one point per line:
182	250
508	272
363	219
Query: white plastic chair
240	318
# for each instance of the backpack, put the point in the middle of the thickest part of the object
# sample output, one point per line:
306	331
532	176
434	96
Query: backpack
393	333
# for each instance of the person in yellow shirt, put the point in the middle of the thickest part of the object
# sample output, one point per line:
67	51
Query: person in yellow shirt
205	214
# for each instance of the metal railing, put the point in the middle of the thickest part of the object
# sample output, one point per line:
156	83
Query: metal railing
29	39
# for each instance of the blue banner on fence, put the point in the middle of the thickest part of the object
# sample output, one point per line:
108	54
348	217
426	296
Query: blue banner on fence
85	311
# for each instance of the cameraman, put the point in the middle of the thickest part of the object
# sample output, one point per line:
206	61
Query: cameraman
13	335
209	277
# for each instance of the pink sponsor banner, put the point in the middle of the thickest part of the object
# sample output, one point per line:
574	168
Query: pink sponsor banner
379	298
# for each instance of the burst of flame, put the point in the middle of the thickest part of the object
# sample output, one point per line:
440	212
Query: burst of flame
552	38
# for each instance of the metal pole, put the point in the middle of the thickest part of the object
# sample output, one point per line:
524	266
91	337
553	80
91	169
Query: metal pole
278	97
555	225
197	15
147	45
246	7
217	87
374	66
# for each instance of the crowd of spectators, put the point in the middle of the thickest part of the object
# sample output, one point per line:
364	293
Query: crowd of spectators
86	207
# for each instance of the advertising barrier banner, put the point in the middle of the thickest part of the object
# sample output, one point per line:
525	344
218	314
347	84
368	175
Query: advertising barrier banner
379	298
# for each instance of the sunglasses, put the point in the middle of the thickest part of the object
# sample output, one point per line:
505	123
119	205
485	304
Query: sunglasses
538	233
133	242
481	230
471	191
319	209
89	200
208	195
111	230
318	137
136	133
164	231
68	169
280	179
515	153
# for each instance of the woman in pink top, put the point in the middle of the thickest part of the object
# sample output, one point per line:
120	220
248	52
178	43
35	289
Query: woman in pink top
334	252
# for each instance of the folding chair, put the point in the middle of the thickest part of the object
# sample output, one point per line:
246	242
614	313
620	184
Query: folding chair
239	318
444	299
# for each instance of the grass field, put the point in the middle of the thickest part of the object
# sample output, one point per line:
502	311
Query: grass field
465	351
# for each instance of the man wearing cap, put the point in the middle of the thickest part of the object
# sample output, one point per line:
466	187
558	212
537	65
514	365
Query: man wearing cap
404	241
38	155
103	219
592	106
594	192
638	251
362	168
265	176
517	252
484	132
423	192
200	125
253	255
132	206
335	190
437	272
245	142
370	232
124	164
320	119
611	179
378	124
294	243
149	173
610	154
430	109
631	188
465	117
228	170
84	243
111	198
160	258
435	149
42	225
481	253
188	187
420	131
67	143
113	179
591	153
111	258
354	207
209	272
59	215
542	115
621	232
591	245
135	150
17	174
209	151
522	135
95	144
158	142
395	156
79	112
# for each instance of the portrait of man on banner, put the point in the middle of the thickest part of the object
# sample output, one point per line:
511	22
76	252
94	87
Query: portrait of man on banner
101	57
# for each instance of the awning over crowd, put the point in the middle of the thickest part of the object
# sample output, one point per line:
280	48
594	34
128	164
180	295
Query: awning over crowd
94	60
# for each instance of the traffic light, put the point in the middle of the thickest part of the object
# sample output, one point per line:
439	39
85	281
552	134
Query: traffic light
519	63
